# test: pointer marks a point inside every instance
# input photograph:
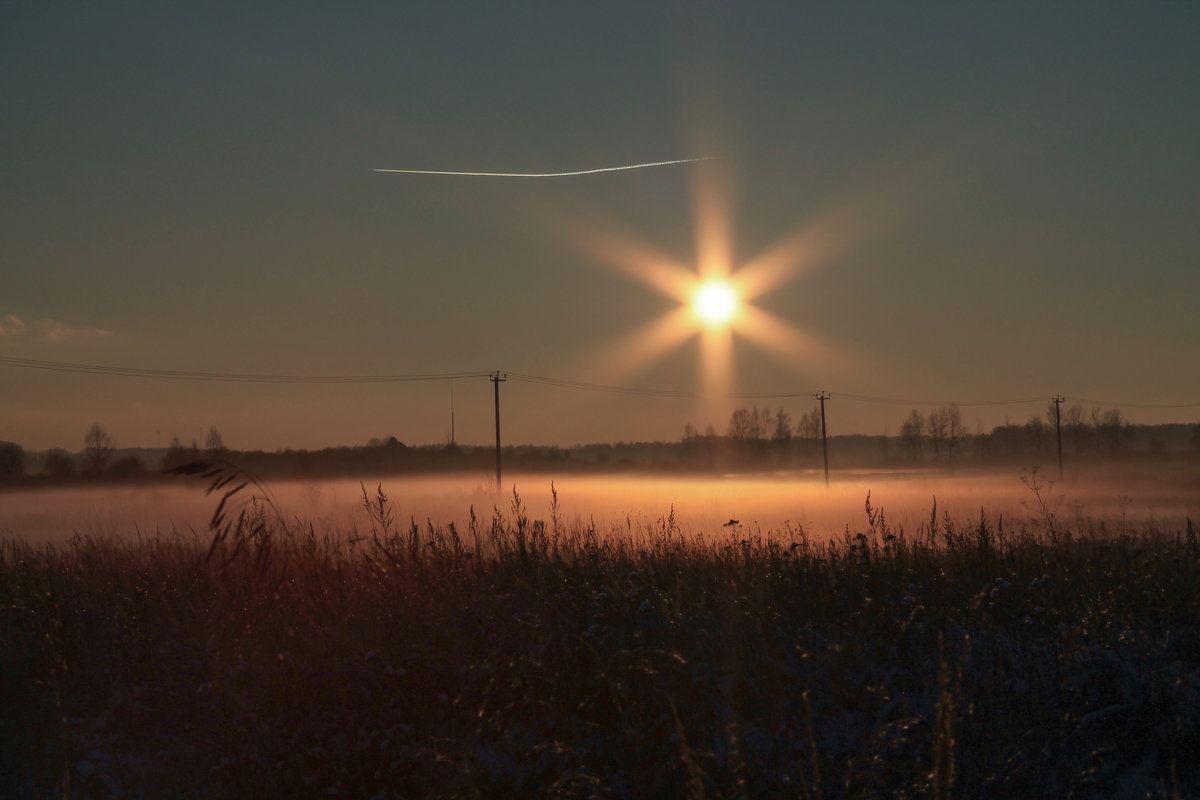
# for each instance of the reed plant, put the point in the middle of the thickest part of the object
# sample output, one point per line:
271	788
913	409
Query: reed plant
543	657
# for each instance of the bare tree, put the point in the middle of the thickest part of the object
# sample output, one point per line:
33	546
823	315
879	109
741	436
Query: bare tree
954	428
911	431
759	427
59	463
781	433
937	425
754	424
1096	418
98	448
689	441
739	425
214	444
1112	423
809	426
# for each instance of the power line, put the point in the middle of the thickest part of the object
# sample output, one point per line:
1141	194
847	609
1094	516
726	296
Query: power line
599	387
768	395
1134	405
902	401
255	377
230	377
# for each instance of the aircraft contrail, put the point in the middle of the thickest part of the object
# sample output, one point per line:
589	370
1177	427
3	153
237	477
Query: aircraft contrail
546	174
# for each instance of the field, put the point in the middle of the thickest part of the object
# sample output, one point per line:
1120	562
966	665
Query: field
1040	651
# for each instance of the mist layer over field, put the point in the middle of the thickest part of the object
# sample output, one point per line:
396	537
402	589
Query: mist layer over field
776	504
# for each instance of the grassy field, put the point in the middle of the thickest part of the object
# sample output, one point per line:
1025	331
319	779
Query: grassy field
528	657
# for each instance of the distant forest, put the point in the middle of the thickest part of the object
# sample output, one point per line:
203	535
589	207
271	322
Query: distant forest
755	439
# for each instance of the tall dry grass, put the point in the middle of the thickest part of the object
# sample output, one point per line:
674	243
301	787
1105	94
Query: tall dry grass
525	656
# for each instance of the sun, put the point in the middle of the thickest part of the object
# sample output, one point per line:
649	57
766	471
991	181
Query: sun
717	293
715	303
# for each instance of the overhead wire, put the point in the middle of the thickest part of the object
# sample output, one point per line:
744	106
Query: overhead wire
230	377
1134	405
254	377
902	401
599	387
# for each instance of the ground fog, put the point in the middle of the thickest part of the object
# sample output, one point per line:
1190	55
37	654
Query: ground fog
776	504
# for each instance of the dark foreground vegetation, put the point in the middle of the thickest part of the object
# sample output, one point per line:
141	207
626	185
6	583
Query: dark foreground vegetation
537	658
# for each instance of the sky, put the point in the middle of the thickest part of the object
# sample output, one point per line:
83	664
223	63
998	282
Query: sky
949	202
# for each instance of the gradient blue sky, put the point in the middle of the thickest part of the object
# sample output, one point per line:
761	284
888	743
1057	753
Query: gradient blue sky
1005	195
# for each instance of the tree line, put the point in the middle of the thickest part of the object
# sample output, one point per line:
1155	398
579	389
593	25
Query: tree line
753	437
99	457
935	435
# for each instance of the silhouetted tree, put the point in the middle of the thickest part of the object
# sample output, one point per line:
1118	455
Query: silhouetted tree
1096	419
937	425
12	460
954	428
781	432
911	431
739	425
809	429
689	442
810	423
98	448
214	445
760	425
1111	424
59	463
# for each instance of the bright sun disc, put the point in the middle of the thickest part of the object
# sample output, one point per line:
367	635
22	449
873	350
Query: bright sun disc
715	303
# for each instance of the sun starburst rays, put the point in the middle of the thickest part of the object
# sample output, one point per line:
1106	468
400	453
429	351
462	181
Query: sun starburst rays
646	345
713	241
637	260
717	301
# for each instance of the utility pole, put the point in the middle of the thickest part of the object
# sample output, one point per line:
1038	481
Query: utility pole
495	378
452	412
1058	401
823	396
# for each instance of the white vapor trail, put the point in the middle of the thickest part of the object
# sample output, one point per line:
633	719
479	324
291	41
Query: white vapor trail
546	174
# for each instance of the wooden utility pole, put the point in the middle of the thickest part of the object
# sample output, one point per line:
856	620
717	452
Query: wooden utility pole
495	378
1058	401
823	396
